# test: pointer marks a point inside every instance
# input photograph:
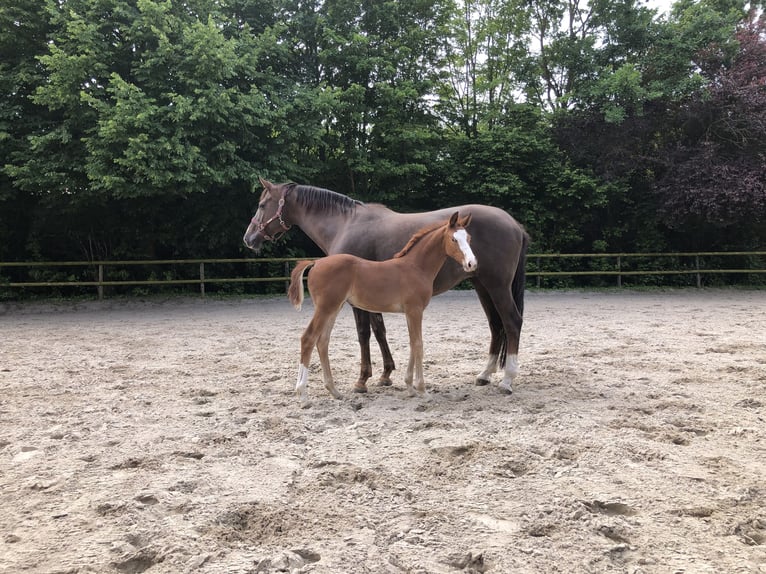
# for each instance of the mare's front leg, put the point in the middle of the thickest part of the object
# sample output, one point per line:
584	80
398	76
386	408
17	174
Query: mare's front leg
379	330
414	377
362	320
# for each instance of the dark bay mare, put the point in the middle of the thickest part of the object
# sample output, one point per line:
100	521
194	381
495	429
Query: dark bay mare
340	224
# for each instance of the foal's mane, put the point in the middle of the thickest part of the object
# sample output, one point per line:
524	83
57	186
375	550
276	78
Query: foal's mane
417	237
322	199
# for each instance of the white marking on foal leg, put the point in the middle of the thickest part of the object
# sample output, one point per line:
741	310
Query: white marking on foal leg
301	386
483	377
511	372
408	377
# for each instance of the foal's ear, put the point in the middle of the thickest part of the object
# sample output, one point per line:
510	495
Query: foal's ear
453	219
265	183
466	220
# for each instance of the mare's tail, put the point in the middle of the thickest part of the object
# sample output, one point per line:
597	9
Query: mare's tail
517	292
295	291
520	278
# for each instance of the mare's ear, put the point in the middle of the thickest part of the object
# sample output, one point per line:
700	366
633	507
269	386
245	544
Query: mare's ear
267	185
453	219
466	220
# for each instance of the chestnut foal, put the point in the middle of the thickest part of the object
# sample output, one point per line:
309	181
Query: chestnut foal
403	284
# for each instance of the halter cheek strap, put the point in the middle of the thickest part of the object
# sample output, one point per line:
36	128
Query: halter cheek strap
277	216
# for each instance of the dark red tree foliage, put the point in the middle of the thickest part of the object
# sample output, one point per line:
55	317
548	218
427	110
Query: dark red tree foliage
717	172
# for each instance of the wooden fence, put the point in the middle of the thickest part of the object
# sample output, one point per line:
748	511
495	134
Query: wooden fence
616	265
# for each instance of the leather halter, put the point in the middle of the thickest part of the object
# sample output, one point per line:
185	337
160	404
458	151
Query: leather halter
261	227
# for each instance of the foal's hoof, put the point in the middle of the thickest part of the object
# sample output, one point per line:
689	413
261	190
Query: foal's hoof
360	388
505	387
481	382
384	381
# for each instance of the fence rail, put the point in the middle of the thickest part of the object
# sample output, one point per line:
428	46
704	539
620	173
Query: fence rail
612	265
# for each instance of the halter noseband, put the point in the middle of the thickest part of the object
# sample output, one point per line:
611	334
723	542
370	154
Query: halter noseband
278	216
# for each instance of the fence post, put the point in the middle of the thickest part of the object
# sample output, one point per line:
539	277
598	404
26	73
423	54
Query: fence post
538	270
619	268
202	279
287	274
100	287
697	266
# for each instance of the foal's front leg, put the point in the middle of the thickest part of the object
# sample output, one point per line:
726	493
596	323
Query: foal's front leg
415	366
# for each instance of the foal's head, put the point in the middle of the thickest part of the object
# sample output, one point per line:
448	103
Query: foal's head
457	242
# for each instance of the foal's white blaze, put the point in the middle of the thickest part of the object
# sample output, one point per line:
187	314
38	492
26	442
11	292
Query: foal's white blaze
469	259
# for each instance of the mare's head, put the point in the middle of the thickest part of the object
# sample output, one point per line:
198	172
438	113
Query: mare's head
457	242
269	222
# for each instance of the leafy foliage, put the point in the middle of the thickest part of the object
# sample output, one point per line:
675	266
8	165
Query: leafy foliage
137	128
718	173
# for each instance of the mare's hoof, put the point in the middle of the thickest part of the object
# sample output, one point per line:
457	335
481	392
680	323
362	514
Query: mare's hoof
360	388
481	382
385	382
505	388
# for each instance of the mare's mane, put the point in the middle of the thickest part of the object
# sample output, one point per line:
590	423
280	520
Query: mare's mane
417	237
322	199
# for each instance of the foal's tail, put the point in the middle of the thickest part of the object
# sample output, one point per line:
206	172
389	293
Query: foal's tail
295	291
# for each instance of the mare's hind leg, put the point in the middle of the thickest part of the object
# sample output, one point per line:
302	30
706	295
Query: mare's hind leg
497	341
364	322
323	346
506	352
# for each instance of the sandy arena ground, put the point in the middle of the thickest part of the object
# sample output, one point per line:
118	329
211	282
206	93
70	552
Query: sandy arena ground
163	437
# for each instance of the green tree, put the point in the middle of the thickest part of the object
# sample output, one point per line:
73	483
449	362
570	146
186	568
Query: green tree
481	52
24	30
154	101
377	59
560	204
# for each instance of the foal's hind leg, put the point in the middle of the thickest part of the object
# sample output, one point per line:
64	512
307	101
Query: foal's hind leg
323	345
309	340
